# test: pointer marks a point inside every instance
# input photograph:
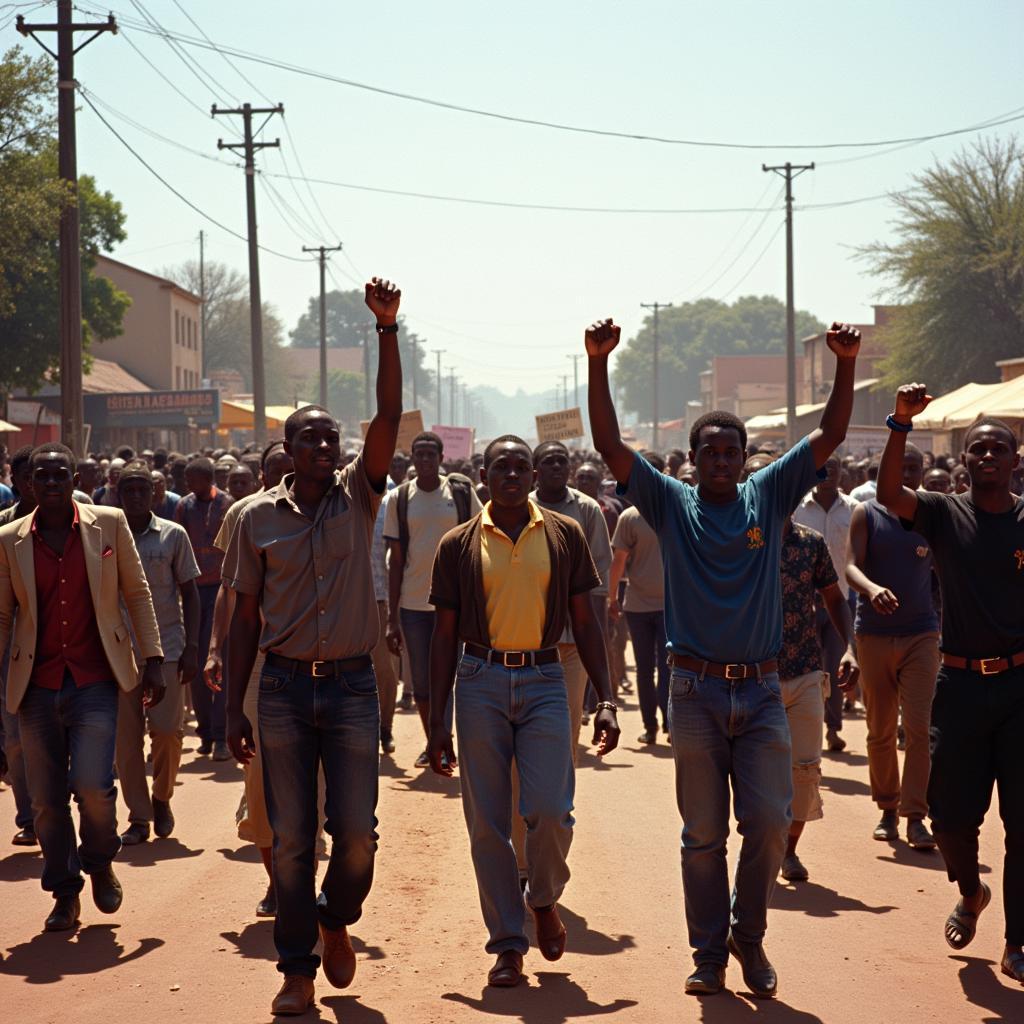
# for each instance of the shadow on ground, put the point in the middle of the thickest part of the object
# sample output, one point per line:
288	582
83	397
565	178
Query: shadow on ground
984	986
21	867
819	901
584	939
145	855
738	1008
844	787
256	942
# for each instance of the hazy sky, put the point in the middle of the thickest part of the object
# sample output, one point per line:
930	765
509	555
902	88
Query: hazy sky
507	292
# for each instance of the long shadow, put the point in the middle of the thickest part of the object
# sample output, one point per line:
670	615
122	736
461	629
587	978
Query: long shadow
390	770
586	759
904	855
662	750
21	867
845	787
555	999
845	757
256	942
819	901
245	854
985	987
584	939
215	771
429	782
348	1010
50	956
732	1008
145	855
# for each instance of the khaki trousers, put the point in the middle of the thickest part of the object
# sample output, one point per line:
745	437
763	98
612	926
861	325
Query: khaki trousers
385	668
897	673
254	824
576	688
165	732
804	700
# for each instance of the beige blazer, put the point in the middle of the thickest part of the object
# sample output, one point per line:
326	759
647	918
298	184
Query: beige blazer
119	575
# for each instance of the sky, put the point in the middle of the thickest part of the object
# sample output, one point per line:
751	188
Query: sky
508	292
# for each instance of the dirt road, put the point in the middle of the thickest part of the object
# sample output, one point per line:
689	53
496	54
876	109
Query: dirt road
860	943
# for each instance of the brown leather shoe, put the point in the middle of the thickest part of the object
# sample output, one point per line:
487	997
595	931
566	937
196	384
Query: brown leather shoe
295	997
550	932
507	971
339	958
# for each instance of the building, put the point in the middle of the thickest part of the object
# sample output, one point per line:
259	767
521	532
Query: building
161	343
745	385
1010	369
819	364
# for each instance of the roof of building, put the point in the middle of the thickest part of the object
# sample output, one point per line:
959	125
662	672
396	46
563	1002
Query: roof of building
162	281
105	376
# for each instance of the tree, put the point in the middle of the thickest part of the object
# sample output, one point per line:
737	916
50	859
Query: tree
346	321
32	198
344	396
689	335
957	268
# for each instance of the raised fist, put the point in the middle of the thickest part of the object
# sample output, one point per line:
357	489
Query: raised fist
911	400
383	298
602	336
844	340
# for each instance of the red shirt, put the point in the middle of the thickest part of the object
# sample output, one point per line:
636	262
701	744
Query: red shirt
67	636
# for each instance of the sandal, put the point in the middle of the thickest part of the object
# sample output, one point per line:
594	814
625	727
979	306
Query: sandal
963	923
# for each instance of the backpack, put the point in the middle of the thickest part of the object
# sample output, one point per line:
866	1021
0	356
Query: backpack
461	487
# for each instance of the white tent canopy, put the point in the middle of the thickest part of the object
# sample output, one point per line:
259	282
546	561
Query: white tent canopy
962	407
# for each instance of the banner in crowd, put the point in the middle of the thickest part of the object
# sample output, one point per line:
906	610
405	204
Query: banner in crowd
411	425
457	441
559	426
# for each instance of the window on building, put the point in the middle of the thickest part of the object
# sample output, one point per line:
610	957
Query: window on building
177	377
177	328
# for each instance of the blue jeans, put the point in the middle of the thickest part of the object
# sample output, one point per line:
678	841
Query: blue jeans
523	713
647	631
726	730
210	707
68	738
417	631
305	723
15	764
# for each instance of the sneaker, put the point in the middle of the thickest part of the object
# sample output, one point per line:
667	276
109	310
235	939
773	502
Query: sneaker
834	741
918	835
888	828
793	869
423	761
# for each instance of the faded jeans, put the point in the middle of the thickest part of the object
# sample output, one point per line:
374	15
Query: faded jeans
726	731
305	722
647	631
522	713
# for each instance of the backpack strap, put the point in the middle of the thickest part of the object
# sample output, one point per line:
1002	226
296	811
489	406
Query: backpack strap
461	486
402	497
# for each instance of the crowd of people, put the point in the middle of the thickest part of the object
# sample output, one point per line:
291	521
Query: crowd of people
288	601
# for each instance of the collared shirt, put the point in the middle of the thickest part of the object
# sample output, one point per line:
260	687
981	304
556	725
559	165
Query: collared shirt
833	525
67	634
313	575
13	512
516	576
865	491
227	526
167	561
806	570
379	549
6	496
165	510
646	590
202	521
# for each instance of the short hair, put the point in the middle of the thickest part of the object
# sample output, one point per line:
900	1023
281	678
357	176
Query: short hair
66	455
240	467
22	457
293	424
717	418
126	452
201	465
504	439
270	449
912	449
545	446
658	462
990	421
756	462
137	469
678	452
431	438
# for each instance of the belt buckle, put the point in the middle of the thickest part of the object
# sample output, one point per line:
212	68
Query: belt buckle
521	655
316	673
988	666
739	669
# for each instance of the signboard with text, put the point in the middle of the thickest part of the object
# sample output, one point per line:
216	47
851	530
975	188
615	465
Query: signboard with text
149	409
559	426
457	441
411	425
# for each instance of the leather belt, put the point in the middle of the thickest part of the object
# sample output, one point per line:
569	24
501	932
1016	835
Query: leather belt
319	669
735	670
513	659
984	666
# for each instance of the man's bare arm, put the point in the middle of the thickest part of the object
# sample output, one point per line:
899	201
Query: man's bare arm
383	299
601	339
911	400
844	341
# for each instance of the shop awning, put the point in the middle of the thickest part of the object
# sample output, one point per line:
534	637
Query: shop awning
962	407
776	419
8	428
239	416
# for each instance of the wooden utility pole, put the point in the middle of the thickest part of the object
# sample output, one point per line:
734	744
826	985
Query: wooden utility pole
576	357
322	251
439	352
249	147
69	247
415	366
452	411
366	371
202	295
789	172
654	369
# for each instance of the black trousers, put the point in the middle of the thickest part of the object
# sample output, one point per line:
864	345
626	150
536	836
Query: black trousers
977	739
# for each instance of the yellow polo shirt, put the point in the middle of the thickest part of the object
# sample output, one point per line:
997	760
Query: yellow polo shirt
516	578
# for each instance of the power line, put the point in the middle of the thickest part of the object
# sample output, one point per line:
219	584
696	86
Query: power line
188	99
750	269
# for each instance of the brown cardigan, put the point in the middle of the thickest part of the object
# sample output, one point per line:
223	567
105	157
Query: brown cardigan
458	583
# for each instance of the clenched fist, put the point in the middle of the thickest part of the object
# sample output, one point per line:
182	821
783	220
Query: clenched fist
911	401
383	298
602	336
843	340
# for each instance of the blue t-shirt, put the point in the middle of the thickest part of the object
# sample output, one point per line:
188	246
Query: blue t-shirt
6	496
722	582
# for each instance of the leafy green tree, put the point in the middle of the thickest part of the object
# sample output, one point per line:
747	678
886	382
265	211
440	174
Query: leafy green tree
957	269
689	335
345	396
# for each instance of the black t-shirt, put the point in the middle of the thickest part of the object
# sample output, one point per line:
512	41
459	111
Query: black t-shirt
980	560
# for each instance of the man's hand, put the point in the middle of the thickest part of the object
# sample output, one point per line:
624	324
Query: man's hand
614	609
601	338
188	664
238	733
152	683
213	672
441	751
843	340
884	601
393	638
848	672
911	401
606	731
383	298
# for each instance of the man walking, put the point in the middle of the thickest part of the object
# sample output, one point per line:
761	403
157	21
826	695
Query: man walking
299	563
505	584
720	544
977	541
64	569
897	627
171	571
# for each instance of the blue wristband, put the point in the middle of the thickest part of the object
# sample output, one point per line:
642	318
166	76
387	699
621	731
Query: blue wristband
900	428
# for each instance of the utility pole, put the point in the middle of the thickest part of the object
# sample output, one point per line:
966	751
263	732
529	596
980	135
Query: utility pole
451	396
439	352
366	371
789	172
69	247
415	366
322	251
576	357
202	295
654	368
249	147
